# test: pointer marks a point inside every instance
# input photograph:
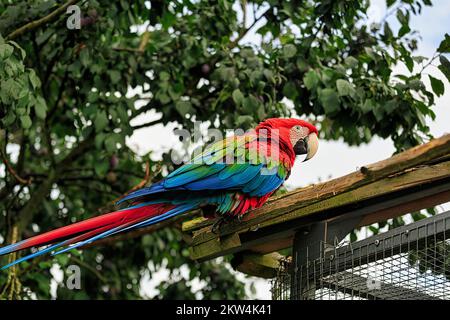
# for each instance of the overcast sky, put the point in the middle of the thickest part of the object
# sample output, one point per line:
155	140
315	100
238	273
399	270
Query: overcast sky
333	159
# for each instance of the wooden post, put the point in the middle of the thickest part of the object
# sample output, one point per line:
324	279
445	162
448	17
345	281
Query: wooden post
311	245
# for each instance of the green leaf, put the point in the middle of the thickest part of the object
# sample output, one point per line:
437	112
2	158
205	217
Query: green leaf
63	259
40	107
163	97
310	79
261	112
403	30
444	46
289	51
34	79
114	75
85	60
378	112
345	88
101	167
23	54
330	100
437	86
26	121
5	51
390	106
184	107
238	97
367	106
250	104
269	75
111	143
164	76
42	281
416	84
99	139
409	62
445	66
101	121
387	31
290	90
244	120
9	119
168	19
351	62
402	18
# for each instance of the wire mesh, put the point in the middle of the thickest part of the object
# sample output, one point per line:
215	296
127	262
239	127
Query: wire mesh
408	263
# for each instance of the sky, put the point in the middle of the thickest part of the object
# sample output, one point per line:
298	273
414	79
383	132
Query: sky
334	158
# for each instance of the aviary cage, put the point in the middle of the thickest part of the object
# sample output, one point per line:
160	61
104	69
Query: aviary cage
411	262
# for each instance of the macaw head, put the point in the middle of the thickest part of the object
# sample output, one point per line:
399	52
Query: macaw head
299	135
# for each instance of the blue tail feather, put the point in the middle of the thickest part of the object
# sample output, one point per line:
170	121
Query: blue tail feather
171	213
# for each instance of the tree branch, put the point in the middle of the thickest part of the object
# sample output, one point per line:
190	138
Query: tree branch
145	37
243	32
147	124
12	171
147	179
37	23
90	268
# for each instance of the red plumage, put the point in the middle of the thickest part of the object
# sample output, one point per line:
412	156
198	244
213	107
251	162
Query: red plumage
88	228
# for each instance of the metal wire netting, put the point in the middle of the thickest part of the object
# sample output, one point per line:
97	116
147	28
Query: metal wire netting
408	263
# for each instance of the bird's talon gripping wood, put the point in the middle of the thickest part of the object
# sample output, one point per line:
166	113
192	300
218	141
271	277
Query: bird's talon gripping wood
216	226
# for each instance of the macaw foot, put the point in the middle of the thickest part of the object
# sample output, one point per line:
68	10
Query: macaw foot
219	223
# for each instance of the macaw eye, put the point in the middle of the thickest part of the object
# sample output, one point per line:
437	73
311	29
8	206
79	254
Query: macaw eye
298	128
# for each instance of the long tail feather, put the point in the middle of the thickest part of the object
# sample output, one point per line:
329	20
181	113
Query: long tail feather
131	225
84	232
55	246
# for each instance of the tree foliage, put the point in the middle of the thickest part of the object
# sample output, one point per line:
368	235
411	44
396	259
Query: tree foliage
66	109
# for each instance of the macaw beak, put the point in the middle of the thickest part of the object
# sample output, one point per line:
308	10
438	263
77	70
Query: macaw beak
312	143
308	146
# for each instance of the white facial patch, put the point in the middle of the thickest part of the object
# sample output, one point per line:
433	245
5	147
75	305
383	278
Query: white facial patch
297	133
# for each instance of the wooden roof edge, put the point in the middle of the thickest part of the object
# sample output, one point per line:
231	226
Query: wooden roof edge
415	189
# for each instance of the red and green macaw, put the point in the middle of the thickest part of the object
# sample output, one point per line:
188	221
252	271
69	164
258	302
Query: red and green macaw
234	175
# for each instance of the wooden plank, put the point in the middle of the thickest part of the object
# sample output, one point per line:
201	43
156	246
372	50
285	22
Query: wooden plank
389	213
412	178
379	188
257	265
272	246
194	223
223	244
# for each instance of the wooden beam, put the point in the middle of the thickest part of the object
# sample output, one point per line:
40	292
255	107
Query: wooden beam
421	203
379	188
225	244
257	265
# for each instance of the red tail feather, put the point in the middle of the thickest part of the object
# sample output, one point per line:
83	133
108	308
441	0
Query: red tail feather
87	228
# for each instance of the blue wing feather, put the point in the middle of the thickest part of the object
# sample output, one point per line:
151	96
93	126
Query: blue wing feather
196	176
